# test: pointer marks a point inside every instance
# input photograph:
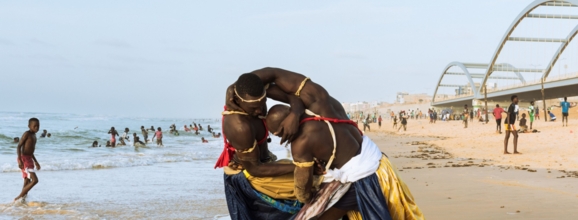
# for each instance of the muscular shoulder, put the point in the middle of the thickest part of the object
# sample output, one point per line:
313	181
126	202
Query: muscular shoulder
238	131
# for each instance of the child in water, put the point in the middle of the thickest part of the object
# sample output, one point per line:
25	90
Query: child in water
159	136
26	159
204	141
95	144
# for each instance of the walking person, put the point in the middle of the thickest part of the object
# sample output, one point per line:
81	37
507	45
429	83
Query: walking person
498	116
366	123
531	113
379	121
466	115
565	106
510	125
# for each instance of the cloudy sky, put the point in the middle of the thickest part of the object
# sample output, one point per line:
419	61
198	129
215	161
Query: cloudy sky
175	58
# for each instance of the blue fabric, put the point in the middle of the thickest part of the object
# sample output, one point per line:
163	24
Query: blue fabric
370	198
287	206
565	106
245	204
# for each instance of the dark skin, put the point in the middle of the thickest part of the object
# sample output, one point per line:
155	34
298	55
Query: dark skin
243	130
27	146
314	140
514	132
313	96
113	132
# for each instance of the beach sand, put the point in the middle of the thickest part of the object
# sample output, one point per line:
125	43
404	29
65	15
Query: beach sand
457	173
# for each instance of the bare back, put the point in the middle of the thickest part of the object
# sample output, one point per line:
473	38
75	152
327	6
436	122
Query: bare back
315	139
242	131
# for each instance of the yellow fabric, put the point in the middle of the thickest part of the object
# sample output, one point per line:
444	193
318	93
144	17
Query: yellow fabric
248	150
298	93
400	202
510	127
304	164
279	187
233	113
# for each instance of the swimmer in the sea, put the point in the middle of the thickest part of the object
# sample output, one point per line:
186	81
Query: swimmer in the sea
48	135
204	141
209	129
43	135
26	159
108	144
16	139
145	134
95	144
137	142
187	129
159	135
113	134
125	135
152	128
200	127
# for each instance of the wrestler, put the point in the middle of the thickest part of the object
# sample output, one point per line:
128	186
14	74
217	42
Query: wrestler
356	169
313	96
264	182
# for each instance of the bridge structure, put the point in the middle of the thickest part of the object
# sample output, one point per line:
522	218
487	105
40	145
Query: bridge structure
476	75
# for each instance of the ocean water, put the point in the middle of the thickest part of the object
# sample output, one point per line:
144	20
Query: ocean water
72	135
176	181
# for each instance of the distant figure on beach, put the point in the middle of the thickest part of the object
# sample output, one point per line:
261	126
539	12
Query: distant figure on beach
523	126
531	113
136	141
394	121
565	106
95	144
16	139
498	116
204	141
366	124
552	116
145	134
44	133
113	133
379	121
537	114
472	115
159	135
26	159
465	115
510	125
403	123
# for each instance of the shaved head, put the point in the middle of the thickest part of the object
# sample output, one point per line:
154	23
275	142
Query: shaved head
276	115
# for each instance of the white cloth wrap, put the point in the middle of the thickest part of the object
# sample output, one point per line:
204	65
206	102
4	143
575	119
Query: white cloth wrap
358	167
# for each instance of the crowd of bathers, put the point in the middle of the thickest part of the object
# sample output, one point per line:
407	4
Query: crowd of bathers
157	134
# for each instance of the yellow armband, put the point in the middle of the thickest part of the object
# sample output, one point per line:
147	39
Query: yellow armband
304	164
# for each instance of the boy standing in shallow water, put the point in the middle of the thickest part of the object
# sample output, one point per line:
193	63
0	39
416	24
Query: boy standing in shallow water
159	135
26	159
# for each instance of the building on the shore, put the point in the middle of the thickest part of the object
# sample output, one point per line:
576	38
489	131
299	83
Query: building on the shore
403	101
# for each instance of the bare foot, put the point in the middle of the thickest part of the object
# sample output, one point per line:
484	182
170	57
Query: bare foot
506	152
516	152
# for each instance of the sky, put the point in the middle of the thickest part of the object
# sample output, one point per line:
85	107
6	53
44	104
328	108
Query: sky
176	58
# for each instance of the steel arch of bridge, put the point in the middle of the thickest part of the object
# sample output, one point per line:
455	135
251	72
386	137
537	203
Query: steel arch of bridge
526	13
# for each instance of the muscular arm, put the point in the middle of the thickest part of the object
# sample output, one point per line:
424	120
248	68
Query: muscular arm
289	127
303	175
242	137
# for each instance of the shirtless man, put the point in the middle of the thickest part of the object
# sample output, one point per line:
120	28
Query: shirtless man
313	96
113	134
26	159
510	125
145	133
339	145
